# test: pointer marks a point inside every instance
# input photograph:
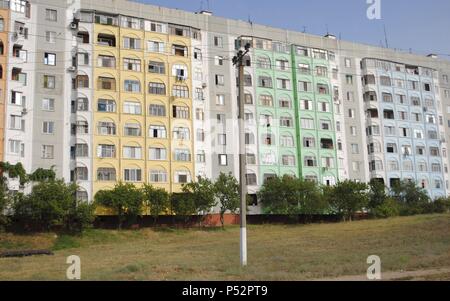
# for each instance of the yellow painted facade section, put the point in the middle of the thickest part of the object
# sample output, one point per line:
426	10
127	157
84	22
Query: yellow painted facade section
119	163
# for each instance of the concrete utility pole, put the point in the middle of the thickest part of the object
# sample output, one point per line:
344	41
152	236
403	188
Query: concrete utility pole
238	61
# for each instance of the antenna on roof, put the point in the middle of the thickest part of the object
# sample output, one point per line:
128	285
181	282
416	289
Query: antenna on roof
207	1
328	32
385	36
304	29
250	19
201	5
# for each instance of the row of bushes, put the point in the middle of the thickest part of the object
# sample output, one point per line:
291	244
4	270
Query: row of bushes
53	203
292	196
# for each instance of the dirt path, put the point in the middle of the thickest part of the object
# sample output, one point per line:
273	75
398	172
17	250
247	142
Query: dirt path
402	275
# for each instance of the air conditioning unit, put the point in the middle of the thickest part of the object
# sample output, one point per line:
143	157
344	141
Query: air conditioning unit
15	36
204	85
74	25
72	69
24	111
181	78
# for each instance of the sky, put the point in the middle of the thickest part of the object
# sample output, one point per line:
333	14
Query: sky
420	25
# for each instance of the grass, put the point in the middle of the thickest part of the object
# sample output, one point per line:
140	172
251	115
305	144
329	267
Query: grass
276	252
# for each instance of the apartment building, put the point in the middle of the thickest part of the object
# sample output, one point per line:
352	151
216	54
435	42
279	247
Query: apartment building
106	91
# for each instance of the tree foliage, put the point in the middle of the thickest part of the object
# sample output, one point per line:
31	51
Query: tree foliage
226	190
125	200
156	200
52	204
292	196
202	191
411	198
348	198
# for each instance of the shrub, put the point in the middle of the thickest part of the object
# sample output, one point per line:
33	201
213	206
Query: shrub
389	208
156	200
347	198
52	204
125	200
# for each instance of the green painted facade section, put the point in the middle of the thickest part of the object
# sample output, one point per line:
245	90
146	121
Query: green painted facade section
278	131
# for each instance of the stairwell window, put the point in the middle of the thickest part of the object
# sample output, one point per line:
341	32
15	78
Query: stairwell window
47	152
51	15
48	127
49	81
50	59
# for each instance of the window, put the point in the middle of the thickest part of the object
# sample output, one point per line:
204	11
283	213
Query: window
82	59
106	128
16	123
263	62
182	155
49	81
48	127
218	42
249	139
155	46
182	177
132	175
181	133
133	108
348	63
284	84
285	103
179	50
266	100
51	15
385	81
319	54
181	112
180	91
309	142
132	129
132	64
221	119
304	86
157	88
106	105
156	67
286	122
132	152
310	161
307	123
47	152
322	89
349	79
48	104
130	22
302	51
106	83
158	176
322	71
50	37
325	125
304	68
306	105
157	110
158	154
223	160
222	139
198	54
106	61
288	160
155	27
157	131
218	60
17	98
251	179
106	40
131	43
106	174
251	159
220	100
265	82
132	86
15	146
220	80
287	141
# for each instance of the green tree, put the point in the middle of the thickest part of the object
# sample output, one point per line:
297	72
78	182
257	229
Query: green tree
227	191
52	204
125	200
156	200
203	193
183	204
4	203
411	198
292	196
377	194
279	195
348	197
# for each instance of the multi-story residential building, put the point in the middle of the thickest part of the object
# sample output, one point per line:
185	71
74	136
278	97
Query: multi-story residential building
106	91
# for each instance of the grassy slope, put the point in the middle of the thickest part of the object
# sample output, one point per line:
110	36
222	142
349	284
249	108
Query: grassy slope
275	252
